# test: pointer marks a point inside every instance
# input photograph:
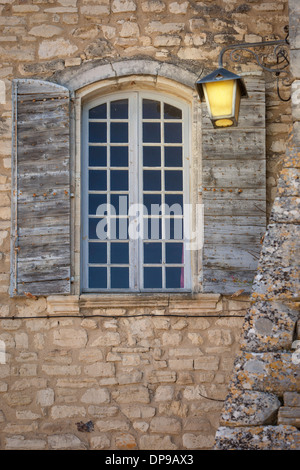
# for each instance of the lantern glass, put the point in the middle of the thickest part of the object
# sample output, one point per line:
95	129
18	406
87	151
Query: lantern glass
222	91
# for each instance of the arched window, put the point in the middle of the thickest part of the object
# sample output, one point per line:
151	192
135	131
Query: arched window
135	190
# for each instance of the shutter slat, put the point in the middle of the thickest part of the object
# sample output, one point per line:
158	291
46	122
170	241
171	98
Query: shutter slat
234	195
41	250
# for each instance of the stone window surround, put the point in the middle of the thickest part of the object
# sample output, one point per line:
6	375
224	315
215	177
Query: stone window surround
86	84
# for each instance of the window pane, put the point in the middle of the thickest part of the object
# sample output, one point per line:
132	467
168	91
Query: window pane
173	180
151	199
119	132
151	109
122	227
170	112
119	253
119	278
119	203
97	278
151	132
173	156
174	278
97	156
119	109
96	200
98	228
174	202
97	253
152	228
151	156
97	132
99	112
152	253
174	228
97	180
152	278
173	132
119	180
118	156
152	180
174	253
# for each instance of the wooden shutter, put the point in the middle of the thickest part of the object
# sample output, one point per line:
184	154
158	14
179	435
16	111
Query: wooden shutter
234	195
40	237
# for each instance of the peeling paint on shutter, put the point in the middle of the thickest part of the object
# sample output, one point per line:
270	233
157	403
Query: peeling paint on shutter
234	195
40	237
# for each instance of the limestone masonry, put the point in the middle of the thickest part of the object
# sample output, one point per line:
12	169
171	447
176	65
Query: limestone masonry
154	371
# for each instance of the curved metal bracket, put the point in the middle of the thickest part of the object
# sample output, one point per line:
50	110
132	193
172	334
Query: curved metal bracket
281	56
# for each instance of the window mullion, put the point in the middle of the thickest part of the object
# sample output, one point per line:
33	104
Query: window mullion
133	186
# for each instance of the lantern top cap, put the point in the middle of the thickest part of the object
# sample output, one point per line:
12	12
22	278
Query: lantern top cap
219	75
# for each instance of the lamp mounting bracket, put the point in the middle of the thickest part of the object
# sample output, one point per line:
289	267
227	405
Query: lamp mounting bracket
280	52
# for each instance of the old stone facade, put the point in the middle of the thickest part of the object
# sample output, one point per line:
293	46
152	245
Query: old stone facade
149	371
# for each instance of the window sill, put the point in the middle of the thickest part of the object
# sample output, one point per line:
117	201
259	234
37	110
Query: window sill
180	304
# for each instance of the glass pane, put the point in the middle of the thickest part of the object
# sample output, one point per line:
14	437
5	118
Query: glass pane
97	156
98	253
174	203
152	180
96	200
98	228
174	253
97	278
173	156
152	278
151	132
152	253
97	132
174	278
173	180
119	132
122	227
171	112
151	156
149	200
174	228
119	180
119	278
151	109
119	253
119	203
97	180
173	132
152	228
118	156
99	112
119	109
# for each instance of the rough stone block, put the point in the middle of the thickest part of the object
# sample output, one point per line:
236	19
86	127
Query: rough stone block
156	443
269	326
250	409
289	415
266	372
163	425
258	438
65	442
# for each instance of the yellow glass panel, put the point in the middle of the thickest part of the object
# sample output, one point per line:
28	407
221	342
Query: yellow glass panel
223	122
220	96
237	102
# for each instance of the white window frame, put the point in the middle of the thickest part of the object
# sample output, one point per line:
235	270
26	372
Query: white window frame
135	167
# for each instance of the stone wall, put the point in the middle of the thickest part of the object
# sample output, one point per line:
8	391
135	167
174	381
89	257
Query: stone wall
157	381
137	378
262	409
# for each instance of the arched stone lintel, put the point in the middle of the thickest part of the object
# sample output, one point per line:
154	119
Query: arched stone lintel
88	75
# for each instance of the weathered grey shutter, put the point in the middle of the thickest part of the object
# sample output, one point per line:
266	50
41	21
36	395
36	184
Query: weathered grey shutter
234	195
40	237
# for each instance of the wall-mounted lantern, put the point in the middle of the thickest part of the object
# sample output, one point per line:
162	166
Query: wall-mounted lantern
222	90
